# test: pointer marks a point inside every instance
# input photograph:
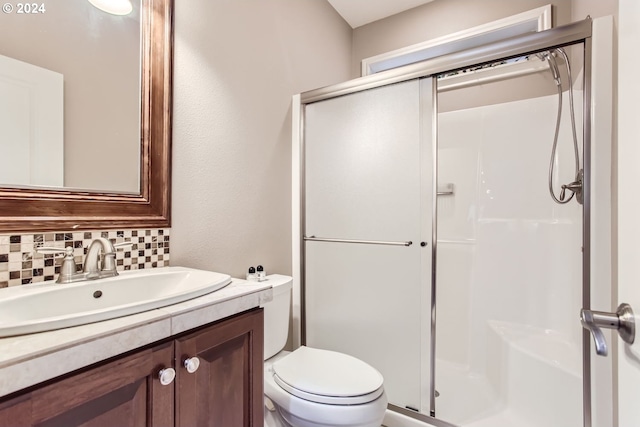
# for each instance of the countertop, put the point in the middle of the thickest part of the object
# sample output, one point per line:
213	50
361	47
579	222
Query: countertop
27	360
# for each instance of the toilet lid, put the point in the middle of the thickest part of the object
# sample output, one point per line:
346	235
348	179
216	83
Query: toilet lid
328	377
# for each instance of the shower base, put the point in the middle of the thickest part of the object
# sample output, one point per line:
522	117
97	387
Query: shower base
532	379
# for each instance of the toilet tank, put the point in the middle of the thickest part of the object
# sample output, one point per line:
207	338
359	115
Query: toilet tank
276	315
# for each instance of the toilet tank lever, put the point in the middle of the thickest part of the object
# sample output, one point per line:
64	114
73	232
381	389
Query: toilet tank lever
622	321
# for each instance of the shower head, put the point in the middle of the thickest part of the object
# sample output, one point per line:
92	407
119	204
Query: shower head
543	56
553	66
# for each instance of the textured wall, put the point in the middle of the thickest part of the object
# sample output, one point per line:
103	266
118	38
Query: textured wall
237	64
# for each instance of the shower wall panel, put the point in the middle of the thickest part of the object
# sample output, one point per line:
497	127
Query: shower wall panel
509	258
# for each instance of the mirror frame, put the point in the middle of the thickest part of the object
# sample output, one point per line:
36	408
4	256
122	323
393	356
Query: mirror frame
37	209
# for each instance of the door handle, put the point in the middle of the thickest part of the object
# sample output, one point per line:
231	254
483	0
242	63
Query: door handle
622	320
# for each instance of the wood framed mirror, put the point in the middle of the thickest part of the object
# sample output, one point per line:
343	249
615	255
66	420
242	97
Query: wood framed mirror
58	209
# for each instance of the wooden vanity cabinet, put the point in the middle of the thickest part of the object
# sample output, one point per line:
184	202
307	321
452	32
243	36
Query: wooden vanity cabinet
125	392
227	388
225	391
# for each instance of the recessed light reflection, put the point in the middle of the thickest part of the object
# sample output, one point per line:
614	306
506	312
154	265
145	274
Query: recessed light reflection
114	7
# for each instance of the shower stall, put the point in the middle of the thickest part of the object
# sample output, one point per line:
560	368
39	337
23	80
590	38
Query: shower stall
445	233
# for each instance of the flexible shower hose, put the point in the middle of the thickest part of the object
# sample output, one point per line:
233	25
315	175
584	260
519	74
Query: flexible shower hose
553	66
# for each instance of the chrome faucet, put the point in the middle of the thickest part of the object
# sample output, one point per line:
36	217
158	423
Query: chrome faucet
93	267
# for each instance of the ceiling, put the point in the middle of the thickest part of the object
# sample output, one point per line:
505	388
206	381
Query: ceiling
361	12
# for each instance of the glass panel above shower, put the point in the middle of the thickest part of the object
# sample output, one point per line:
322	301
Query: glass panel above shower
509	260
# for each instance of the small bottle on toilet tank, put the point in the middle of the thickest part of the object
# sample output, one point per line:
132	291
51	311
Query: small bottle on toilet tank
251	274
262	275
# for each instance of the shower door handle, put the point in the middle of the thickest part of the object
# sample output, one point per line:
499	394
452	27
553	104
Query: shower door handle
622	320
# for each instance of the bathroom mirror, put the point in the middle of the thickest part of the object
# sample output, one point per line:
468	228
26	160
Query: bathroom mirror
68	92
38	208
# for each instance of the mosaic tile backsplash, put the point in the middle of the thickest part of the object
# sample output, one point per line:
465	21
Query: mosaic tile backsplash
20	264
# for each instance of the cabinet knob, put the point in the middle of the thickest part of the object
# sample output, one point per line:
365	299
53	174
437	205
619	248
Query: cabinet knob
192	364
166	376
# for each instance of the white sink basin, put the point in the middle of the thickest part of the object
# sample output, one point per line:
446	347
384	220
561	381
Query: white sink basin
47	306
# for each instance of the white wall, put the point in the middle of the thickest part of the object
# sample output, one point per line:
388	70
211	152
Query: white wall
237	64
594	8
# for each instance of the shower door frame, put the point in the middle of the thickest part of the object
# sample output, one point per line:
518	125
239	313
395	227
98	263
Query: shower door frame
579	32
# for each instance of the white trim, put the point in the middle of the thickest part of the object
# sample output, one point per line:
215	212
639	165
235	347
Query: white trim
627	384
533	20
601	204
296	141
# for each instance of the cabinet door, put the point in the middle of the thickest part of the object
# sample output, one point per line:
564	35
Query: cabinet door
125	392
227	388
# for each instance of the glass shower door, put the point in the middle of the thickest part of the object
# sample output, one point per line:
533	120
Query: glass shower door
509	261
367	276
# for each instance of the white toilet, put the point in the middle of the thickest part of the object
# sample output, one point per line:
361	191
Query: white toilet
310	387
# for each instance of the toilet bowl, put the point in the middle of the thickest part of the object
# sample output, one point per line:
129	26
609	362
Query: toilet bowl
312	387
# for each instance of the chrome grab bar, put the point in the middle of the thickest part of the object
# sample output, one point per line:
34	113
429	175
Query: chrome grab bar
364	242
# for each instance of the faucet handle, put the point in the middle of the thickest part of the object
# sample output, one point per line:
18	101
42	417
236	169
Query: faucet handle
68	267
50	250
123	245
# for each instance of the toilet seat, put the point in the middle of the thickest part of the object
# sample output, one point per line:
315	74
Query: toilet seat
328	377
